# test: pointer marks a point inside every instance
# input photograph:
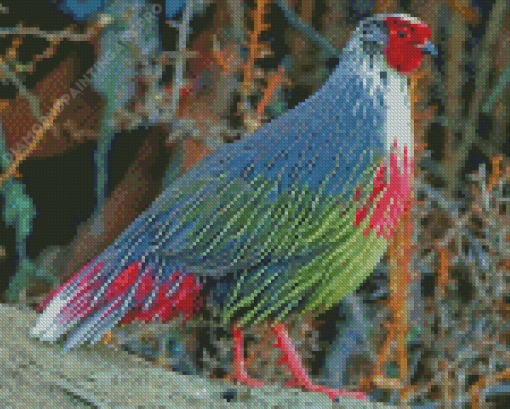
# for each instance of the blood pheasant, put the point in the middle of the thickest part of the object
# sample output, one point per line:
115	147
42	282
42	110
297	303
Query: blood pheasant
290	219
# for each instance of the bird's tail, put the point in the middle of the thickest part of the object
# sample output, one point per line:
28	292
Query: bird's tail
125	282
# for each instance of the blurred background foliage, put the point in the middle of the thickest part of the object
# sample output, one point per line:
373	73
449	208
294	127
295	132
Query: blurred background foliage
172	80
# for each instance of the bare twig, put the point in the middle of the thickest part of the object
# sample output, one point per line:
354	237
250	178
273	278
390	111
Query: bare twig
498	92
460	152
7	75
49	35
180	63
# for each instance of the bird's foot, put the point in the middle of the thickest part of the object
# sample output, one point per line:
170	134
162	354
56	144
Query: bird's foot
299	372
240	374
243	379
330	392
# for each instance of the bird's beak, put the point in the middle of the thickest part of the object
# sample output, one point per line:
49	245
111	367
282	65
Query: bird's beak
428	48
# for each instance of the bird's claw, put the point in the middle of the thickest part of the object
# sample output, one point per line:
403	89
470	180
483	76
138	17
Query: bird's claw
331	393
244	380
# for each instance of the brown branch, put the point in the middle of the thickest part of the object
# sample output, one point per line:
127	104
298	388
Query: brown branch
443	270
273	82
254	46
48	122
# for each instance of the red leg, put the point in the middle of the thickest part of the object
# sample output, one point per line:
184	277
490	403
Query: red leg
240	373
299	372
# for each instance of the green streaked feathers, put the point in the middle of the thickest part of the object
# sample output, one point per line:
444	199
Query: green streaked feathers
345	258
300	245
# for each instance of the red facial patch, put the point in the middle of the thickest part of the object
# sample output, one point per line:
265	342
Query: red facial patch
403	52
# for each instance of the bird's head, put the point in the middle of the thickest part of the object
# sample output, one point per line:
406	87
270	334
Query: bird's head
399	39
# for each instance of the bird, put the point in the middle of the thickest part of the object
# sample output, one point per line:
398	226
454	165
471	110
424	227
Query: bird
287	220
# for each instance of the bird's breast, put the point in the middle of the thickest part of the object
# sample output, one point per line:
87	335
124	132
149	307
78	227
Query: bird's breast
398	127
